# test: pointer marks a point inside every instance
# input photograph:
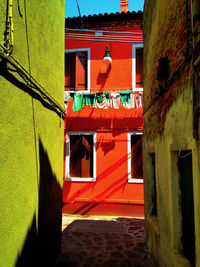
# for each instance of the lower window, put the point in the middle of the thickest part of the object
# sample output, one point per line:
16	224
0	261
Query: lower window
135	161
81	157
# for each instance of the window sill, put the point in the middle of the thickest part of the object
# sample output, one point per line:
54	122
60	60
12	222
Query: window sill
135	181
80	179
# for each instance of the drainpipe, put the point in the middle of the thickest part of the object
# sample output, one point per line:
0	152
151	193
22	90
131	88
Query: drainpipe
186	29
8	39
196	104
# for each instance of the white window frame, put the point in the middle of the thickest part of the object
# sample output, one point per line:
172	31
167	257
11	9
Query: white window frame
88	65
132	180
67	158
134	47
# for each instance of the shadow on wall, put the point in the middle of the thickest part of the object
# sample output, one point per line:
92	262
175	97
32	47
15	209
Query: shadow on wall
102	78
43	246
8	74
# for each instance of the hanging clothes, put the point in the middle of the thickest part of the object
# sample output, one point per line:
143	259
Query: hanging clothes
107	95
132	102
101	102
78	101
89	99
125	96
140	99
99	98
72	95
66	99
114	100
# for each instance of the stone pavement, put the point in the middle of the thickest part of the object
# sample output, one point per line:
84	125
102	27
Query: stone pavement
91	241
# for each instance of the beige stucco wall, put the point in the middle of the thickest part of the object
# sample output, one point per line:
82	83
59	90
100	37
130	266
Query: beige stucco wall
168	129
164	238
31	134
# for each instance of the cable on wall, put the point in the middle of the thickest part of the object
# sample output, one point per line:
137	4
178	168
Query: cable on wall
32	83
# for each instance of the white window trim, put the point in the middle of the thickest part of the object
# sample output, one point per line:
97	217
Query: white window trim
132	180
134	47
67	159
88	65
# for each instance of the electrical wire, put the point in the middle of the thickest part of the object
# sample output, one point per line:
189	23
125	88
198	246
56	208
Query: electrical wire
101	31
80	14
19	10
32	101
31	82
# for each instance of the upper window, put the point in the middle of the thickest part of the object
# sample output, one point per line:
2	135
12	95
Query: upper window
139	67
137	77
135	161
81	157
77	69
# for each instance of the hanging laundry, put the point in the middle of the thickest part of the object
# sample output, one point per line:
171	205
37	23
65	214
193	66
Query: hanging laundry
78	101
89	99
125	96
107	95
72	95
103	104
138	100
66	99
132	102
99	98
114	100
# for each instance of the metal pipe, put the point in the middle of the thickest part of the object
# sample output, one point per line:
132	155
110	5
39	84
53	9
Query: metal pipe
186	29
196	97
9	39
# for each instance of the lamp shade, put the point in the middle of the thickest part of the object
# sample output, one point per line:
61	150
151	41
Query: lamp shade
107	56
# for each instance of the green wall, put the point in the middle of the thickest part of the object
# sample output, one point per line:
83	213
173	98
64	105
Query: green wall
31	134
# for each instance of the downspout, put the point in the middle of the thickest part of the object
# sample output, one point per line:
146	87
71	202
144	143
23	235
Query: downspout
186	30
8	39
196	105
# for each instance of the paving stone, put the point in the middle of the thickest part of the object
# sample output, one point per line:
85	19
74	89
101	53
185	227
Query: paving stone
103	247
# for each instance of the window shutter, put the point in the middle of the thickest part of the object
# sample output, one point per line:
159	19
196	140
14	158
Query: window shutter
81	70
69	71
139	68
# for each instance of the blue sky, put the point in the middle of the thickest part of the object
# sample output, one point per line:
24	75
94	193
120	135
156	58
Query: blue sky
91	7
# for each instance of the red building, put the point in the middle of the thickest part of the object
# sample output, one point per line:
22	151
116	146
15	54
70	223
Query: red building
103	125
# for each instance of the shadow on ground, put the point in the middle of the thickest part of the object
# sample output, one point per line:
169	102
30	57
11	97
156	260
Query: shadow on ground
104	242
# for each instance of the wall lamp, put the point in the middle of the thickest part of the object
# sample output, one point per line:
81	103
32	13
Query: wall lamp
107	56
107	62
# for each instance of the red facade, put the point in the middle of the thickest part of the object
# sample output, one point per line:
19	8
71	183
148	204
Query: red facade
103	140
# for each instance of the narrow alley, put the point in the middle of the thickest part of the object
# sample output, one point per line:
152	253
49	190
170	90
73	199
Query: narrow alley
104	241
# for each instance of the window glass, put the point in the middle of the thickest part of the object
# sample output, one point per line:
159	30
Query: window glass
136	156
139	67
81	156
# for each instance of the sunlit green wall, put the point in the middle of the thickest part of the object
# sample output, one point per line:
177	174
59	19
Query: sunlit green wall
31	136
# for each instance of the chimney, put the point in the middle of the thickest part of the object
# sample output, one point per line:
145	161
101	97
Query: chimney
124	5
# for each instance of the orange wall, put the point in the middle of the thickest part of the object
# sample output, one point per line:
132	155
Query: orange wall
120	75
111	126
112	173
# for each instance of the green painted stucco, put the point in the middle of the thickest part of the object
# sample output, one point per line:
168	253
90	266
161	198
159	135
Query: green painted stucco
31	146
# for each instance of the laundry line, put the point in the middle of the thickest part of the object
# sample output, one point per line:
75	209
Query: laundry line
103	100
